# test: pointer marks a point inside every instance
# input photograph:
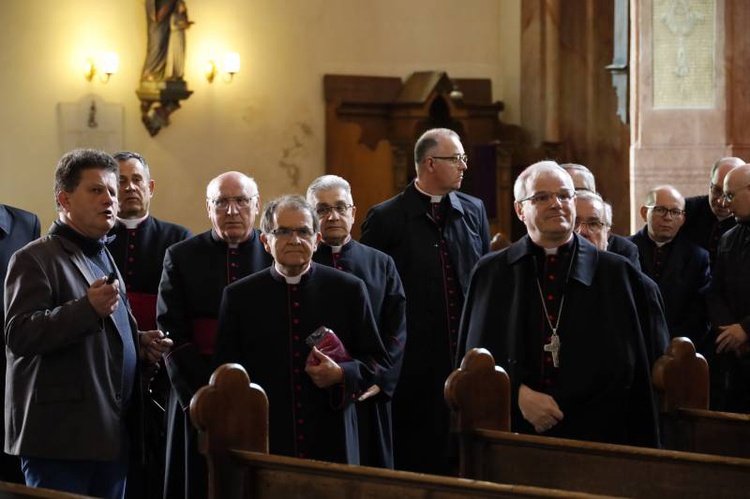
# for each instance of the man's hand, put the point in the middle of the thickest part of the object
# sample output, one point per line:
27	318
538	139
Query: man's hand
326	373
153	344
538	408
731	339
104	297
370	392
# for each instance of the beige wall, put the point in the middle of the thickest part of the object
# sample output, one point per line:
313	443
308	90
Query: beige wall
271	115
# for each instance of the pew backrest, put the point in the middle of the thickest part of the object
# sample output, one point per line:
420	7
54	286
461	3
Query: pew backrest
501	456
681	378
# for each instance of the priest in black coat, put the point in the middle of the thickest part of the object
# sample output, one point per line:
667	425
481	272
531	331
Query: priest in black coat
706	217
729	300
264	323
676	264
435	235
138	242
566	321
17	228
141	240
196	271
331	196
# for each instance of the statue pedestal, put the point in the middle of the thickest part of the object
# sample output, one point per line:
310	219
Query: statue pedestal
159	99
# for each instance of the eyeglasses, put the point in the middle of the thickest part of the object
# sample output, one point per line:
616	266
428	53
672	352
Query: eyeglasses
594	226
662	211
544	197
463	158
323	210
222	204
729	196
286	232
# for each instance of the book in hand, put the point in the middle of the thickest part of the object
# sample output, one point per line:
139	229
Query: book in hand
328	343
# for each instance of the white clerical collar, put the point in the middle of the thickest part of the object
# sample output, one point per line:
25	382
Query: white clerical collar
658	244
132	223
336	249
292	279
433	198
553	251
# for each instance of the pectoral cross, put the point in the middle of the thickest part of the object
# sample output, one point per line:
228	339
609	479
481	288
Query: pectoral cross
554	348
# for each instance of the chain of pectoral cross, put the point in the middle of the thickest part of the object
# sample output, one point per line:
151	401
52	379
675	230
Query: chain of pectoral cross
553	346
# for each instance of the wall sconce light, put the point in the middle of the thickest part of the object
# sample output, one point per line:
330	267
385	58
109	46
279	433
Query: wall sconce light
108	64
230	66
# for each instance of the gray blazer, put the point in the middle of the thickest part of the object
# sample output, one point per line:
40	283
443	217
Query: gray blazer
64	367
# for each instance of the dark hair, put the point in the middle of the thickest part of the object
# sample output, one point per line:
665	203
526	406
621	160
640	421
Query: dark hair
70	166
126	155
294	202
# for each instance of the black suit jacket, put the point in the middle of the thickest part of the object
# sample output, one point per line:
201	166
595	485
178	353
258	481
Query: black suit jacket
17	228
623	246
683	283
700	224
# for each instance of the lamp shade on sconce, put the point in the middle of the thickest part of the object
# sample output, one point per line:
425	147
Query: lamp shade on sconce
110	63
231	63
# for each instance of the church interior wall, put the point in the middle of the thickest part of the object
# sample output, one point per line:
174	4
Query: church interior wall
268	122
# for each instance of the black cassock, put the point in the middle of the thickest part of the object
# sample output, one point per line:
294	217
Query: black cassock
602	384
139	254
729	303
388	302
263	325
196	271
434	254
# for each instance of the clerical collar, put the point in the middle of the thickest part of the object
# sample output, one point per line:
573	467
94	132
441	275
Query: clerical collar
88	245
215	237
132	223
553	251
433	198
291	279
337	249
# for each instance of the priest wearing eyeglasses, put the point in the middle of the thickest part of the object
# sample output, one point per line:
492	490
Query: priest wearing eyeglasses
707	217
679	266
435	234
196	271
566	321
269	323
331	196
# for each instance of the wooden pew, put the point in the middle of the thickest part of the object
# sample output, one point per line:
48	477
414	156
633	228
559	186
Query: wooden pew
681	378
478	393
231	415
18	491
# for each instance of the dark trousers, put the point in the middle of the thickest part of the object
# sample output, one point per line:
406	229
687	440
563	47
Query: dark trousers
93	478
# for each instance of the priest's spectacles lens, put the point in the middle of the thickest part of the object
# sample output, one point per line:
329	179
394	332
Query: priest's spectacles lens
455	159
662	211
222	204
545	197
594	226
286	232
323	210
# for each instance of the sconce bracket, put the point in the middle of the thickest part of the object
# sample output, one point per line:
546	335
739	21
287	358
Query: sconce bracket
159	99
